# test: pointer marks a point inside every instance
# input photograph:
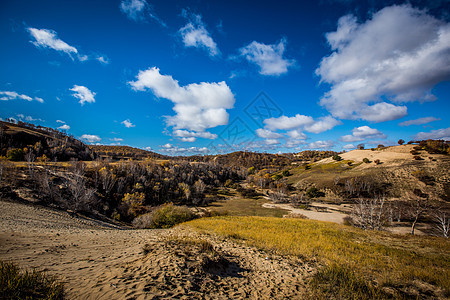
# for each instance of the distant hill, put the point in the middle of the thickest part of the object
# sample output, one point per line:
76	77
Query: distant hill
397	172
23	138
124	152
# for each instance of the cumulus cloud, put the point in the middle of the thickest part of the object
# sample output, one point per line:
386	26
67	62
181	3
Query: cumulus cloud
64	127
175	150
83	94
139	10
322	124
321	145
349	147
91	138
8	95
195	34
363	133
269	58
419	121
301	121
286	123
398	55
438	134
296	135
127	123
191	136
198	106
267	134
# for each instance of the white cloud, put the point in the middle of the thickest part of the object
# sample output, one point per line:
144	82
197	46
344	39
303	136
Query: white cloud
321	145
286	123
269	58
323	124
301	121
91	138
22	117
138	10
198	106
363	133
296	135
419	121
8	95
116	139
191	136
83	93
175	150
195	34
272	141
59	121
267	134
438	134
49	39
127	123
400	54
148	148
349	147
64	127
103	59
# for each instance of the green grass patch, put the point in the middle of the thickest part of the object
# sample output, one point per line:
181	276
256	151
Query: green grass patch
16	283
376	260
239	206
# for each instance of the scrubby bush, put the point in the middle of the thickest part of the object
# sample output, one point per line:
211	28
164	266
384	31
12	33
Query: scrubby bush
314	192
15	154
337	157
165	216
366	160
286	173
277	177
401	142
19	284
377	161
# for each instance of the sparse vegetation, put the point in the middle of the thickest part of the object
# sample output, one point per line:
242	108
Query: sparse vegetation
366	160
379	262
16	283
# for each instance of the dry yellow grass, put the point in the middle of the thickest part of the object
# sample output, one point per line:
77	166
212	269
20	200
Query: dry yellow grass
380	259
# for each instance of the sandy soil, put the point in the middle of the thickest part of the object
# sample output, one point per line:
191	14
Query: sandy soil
99	261
320	211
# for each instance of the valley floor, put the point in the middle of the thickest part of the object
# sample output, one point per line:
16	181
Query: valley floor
98	261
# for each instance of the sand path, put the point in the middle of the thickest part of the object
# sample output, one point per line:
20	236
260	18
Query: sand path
96	261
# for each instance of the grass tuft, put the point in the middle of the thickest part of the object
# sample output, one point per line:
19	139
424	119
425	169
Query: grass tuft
16	283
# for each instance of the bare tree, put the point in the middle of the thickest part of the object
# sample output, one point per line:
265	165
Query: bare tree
442	223
30	158
416	208
370	213
82	197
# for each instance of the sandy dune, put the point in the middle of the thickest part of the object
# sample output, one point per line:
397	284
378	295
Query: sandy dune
99	262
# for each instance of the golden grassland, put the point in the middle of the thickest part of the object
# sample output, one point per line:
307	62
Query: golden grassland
370	260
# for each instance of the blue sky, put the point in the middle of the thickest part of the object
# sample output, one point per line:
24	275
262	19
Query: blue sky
186	77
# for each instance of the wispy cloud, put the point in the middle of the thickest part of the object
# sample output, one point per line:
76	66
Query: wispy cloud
419	121
198	106
8	96
139	11
269	58
438	134
195	34
298	121
83	94
398	55
321	145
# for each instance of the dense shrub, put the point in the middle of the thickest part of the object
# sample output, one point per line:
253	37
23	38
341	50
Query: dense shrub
314	192
165	216
15	154
19	284
337	157
286	173
366	160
